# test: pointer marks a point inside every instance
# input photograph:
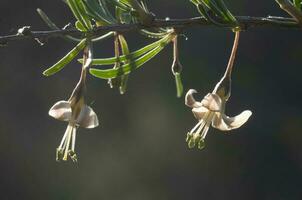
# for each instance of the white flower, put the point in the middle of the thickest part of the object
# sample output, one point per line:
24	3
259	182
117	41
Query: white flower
77	115
211	111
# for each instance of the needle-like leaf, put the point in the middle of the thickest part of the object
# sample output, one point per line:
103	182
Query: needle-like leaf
66	59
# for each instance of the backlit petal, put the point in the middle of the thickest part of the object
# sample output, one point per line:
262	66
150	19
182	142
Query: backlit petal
225	123
190	100
212	102
199	112
87	118
61	111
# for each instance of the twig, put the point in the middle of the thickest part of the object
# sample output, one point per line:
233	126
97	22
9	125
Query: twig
245	22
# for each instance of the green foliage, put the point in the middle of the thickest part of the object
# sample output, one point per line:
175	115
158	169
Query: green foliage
297	4
53	26
129	67
215	11
66	59
78	9
125	51
130	56
97	10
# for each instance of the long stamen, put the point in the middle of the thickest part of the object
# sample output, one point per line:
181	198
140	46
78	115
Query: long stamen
200	127
68	143
200	123
196	126
73	139
207	126
204	121
64	137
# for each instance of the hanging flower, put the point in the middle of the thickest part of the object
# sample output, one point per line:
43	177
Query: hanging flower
211	109
76	113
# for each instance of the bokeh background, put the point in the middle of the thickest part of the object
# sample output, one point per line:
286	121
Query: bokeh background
139	149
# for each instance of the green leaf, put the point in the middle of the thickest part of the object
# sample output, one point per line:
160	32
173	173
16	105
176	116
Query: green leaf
53	26
83	12
46	19
78	11
131	56
211	9
80	26
127	68
123	16
125	51
103	37
179	86
66	59
230	17
97	10
120	4
297	4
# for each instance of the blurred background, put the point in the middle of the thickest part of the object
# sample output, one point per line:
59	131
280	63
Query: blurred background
139	149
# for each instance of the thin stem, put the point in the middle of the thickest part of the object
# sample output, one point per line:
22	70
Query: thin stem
175	48
176	66
116	49
79	90
229	68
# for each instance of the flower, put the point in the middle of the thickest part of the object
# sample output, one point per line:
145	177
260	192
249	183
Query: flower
76	113
211	109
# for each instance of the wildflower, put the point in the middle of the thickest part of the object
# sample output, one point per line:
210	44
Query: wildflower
76	113
211	109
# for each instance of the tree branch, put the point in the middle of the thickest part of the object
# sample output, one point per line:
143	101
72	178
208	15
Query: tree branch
245	22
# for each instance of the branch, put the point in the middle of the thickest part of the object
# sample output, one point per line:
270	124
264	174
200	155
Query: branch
291	10
245	22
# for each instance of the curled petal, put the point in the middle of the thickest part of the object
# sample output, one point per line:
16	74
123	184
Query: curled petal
225	123
212	102
190	100
87	118
61	111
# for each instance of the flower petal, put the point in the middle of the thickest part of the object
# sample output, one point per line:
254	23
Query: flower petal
61	111
87	118
199	112
225	123
212	102
190	101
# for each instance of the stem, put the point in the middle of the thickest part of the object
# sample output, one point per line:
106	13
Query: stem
229	68
176	66
79	90
116	49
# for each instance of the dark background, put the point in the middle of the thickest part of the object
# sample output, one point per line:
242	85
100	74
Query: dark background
139	149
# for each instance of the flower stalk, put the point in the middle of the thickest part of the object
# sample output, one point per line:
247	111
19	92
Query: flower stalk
75	112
